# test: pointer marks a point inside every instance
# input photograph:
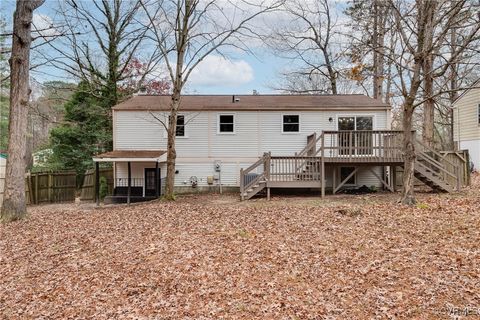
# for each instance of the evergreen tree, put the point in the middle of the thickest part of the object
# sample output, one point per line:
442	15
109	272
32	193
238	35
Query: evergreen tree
86	131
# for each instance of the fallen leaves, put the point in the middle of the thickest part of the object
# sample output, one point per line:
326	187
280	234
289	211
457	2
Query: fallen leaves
201	258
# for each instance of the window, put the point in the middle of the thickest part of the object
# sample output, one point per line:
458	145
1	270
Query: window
226	123
180	128
359	143
478	114
291	123
345	172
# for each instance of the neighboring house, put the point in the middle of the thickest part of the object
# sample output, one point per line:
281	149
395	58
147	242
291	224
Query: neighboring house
466	124
311	141
41	157
3	164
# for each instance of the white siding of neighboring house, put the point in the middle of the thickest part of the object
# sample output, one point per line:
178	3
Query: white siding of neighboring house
256	132
3	164
466	127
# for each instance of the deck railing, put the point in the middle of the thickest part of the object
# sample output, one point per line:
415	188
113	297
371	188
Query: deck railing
367	145
295	168
123	182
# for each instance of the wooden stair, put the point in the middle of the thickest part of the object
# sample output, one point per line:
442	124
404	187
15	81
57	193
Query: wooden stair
253	190
306	169
430	179
433	173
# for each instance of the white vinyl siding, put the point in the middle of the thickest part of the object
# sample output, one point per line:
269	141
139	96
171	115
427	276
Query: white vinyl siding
466	117
256	132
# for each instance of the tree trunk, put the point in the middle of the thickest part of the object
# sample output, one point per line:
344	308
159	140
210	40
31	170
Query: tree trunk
408	195
453	93
427	66
171	151
378	39
14	203
429	104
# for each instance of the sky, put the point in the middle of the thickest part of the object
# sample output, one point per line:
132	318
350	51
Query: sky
237	73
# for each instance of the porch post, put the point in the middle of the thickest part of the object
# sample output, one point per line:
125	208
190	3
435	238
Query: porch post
323	165
156	179
97	183
129	181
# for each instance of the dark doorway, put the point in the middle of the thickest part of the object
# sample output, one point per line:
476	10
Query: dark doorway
152	182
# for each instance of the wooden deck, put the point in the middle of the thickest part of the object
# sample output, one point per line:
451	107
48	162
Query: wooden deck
333	149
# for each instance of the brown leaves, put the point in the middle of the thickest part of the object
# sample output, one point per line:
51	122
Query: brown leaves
209	257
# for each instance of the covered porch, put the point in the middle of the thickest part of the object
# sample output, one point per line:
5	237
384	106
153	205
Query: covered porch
128	189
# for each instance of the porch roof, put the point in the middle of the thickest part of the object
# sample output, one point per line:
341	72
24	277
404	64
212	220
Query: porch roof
132	156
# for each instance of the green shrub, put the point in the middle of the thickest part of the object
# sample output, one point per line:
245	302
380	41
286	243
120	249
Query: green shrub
103	188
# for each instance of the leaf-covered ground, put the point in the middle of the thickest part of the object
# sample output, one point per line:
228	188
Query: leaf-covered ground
211	257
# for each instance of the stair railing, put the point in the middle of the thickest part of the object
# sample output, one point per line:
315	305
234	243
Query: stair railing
435	167
310	150
245	185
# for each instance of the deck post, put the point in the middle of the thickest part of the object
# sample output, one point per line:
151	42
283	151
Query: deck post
334	182
97	183
394	178
156	179
323	165
242	181
268	193
129	181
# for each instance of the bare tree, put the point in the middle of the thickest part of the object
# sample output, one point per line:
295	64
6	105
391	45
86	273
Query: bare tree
423	27
14	205
310	37
186	32
103	38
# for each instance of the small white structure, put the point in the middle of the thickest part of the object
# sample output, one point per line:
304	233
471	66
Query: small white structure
3	164
466	125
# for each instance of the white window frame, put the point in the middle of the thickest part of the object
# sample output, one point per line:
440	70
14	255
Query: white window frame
478	114
355	115
234	123
185	126
299	123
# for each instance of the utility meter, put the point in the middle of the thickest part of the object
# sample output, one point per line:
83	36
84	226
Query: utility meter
217	165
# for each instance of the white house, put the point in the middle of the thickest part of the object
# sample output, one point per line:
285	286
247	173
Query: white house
233	132
466	124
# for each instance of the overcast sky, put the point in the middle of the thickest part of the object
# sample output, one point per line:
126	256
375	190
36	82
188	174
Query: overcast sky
240	73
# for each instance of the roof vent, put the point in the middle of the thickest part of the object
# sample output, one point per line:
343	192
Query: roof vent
235	99
142	91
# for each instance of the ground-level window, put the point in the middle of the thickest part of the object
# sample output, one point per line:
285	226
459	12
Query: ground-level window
226	123
291	123
345	172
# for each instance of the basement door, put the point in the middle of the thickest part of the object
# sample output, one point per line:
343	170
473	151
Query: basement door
150	182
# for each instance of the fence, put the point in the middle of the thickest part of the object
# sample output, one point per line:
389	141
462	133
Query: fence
49	187
88	186
461	159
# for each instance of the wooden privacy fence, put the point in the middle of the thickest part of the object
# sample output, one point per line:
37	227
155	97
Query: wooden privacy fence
461	159
88	186
50	187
